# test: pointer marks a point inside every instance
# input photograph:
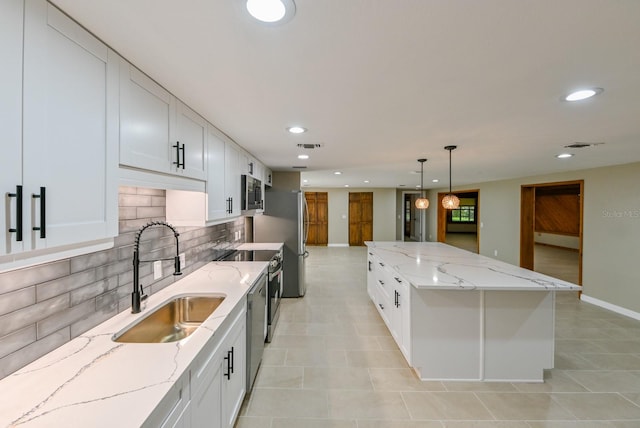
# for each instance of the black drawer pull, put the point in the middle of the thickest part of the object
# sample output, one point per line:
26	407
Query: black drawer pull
18	229
43	212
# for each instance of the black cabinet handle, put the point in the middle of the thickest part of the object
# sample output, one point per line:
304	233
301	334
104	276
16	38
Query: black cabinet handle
381	307
381	282
369	266
179	149
43	212
231	205
397	279
397	298
228	359
232	359
18	229
251	168
381	264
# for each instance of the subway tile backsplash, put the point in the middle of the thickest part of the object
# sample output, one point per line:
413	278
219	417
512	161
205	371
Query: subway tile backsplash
44	306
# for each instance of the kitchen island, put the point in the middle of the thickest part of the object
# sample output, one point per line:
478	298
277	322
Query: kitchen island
457	315
94	381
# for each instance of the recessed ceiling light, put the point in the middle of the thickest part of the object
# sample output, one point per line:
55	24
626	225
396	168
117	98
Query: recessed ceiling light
337	172
297	129
583	94
435	180
305	181
346	185
303	156
271	11
366	181
564	155
417	186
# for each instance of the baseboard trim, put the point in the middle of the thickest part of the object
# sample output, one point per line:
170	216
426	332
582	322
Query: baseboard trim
610	306
337	245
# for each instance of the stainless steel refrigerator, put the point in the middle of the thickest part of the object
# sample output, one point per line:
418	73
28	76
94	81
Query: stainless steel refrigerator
285	219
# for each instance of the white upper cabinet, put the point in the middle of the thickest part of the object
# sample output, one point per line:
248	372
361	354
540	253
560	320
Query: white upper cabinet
146	111
11	21
190	146
158	132
217	199
68	167
232	171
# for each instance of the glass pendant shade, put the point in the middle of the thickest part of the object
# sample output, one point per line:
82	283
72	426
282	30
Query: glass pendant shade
422	203
451	202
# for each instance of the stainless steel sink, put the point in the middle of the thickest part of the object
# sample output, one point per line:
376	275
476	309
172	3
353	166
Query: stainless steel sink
173	321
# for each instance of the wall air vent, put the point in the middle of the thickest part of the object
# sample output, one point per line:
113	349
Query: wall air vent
310	146
582	145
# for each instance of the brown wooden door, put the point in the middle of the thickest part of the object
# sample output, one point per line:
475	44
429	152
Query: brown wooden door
318	205
527	216
360	218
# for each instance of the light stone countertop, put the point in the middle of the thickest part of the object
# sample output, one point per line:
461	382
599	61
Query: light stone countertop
275	246
434	265
94	381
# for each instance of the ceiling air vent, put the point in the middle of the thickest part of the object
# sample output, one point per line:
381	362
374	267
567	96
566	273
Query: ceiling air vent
299	167
582	145
310	146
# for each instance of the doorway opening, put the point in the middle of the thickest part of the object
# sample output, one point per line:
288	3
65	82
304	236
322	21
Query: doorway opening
360	218
410	217
459	227
551	217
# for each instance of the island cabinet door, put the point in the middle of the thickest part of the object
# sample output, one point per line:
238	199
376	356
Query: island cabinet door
401	318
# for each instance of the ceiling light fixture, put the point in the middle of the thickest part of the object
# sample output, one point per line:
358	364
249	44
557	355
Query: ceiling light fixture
366	181
271	11
435	180
564	155
450	201
297	129
303	156
337	172
422	203
582	94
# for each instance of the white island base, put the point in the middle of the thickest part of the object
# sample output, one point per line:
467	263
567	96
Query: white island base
482	335
460	316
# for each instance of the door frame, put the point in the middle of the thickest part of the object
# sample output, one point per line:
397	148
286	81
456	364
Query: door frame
421	222
442	216
528	218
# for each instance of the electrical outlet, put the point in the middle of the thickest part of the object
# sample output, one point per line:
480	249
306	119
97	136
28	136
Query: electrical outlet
157	269
183	260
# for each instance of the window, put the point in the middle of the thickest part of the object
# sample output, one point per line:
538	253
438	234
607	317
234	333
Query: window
464	214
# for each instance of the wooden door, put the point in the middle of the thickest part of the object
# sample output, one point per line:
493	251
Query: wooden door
318	205
360	218
527	216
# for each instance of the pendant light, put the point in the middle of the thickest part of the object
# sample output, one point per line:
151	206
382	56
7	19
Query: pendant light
422	203
450	201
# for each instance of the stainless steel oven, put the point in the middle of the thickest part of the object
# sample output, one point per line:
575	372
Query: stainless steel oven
274	280
274	288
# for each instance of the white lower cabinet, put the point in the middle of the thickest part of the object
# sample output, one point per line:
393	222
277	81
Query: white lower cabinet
218	378
390	293
210	393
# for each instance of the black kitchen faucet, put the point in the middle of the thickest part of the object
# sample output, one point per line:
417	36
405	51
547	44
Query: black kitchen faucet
137	296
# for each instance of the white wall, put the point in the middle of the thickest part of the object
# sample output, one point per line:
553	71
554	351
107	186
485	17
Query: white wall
611	229
384	213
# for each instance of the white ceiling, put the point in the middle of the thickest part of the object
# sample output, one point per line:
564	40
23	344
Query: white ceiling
381	83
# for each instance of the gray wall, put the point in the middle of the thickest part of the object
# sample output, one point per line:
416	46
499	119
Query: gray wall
44	306
384	213
611	227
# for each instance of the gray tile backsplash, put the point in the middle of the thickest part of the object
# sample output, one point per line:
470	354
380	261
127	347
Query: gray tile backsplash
44	306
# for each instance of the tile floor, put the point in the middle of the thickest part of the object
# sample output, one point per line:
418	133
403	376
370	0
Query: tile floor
333	364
